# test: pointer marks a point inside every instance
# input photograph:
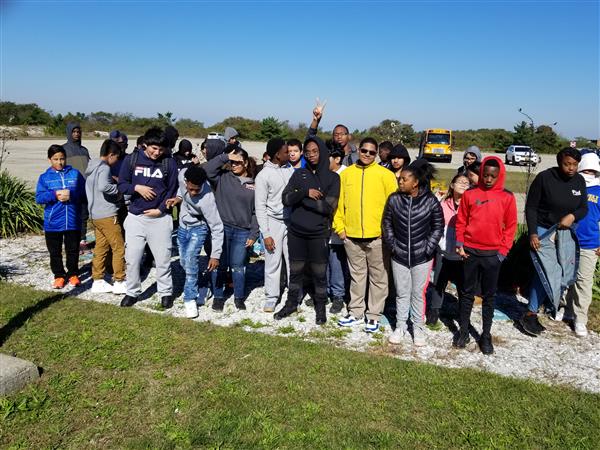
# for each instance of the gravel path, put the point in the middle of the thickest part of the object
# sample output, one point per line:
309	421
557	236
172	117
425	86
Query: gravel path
556	358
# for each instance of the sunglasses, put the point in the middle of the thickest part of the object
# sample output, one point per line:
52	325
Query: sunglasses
236	163
364	151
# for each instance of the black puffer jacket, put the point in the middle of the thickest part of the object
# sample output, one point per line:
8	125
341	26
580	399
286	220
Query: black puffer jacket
412	227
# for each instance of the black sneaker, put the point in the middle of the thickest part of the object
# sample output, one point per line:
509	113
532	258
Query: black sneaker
284	312
321	320
531	324
461	340
128	300
240	303
218	304
433	315
337	304
485	344
167	301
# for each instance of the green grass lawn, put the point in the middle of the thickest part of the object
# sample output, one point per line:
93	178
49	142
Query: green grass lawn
116	378
515	181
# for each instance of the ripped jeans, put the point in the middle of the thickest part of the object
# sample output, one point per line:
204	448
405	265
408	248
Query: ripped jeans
234	256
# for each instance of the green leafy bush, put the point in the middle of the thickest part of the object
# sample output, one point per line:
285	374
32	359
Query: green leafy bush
18	211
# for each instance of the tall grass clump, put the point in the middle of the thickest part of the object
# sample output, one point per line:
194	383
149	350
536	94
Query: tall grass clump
18	211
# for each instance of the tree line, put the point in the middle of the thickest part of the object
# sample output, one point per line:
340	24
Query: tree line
542	138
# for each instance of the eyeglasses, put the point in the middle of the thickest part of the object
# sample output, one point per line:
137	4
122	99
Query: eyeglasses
364	151
339	134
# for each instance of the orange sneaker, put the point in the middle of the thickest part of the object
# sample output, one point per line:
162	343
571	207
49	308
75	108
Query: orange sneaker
74	281
59	283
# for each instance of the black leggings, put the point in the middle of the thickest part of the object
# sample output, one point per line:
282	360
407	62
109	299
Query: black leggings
311	253
451	270
54	242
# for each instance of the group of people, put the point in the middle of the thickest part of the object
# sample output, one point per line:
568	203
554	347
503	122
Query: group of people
336	225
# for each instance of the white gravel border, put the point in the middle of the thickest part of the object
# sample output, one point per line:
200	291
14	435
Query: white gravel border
556	358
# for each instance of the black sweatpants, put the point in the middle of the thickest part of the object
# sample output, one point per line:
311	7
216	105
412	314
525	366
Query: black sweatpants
313	253
484	269
54	243
451	270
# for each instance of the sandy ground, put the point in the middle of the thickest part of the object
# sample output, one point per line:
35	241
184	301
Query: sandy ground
556	358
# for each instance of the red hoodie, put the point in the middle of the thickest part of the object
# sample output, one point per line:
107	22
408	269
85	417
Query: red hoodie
487	218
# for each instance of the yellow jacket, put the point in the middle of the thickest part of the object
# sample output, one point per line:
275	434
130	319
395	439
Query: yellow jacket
363	195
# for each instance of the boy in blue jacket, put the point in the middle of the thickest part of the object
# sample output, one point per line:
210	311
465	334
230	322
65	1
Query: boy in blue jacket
61	189
579	295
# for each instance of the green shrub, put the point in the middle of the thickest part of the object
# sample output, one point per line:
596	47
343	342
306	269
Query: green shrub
18	211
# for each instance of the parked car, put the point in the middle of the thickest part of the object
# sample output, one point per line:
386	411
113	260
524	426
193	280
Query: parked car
215	135
521	155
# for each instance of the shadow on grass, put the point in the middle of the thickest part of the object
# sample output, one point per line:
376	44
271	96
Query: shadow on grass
22	317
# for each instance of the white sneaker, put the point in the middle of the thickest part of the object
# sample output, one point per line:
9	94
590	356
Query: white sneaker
580	330
191	309
397	337
419	338
119	287
101	287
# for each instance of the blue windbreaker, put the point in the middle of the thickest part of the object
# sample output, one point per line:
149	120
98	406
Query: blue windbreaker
61	216
588	228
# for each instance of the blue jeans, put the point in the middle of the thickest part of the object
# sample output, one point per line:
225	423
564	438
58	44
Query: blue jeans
190	242
537	294
234	256
337	271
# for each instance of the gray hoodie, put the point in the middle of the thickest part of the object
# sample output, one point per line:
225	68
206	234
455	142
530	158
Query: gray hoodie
201	209
101	190
77	155
269	185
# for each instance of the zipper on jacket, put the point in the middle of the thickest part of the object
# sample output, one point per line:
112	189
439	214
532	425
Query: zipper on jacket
409	233
362	186
62	177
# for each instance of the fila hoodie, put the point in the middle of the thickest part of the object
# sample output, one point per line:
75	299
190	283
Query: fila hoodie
148	172
487	218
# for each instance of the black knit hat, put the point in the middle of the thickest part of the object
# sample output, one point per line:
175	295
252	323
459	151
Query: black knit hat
274	145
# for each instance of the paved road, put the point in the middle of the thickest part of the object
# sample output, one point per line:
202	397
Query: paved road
28	159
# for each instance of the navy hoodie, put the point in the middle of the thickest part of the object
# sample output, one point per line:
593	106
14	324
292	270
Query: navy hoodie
148	172
312	218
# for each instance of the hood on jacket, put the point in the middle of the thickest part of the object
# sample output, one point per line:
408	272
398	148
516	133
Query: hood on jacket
400	151
475	150
323	164
214	147
93	165
185	146
70	127
230	132
501	176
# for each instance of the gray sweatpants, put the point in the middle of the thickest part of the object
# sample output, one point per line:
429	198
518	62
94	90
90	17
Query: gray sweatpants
410	294
273	260
156	231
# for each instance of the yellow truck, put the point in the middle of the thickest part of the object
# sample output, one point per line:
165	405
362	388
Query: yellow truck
436	145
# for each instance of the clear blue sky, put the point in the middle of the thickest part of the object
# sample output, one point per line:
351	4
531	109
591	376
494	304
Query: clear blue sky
433	64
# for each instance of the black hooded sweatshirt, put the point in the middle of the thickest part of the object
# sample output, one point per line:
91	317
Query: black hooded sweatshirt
312	218
77	155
